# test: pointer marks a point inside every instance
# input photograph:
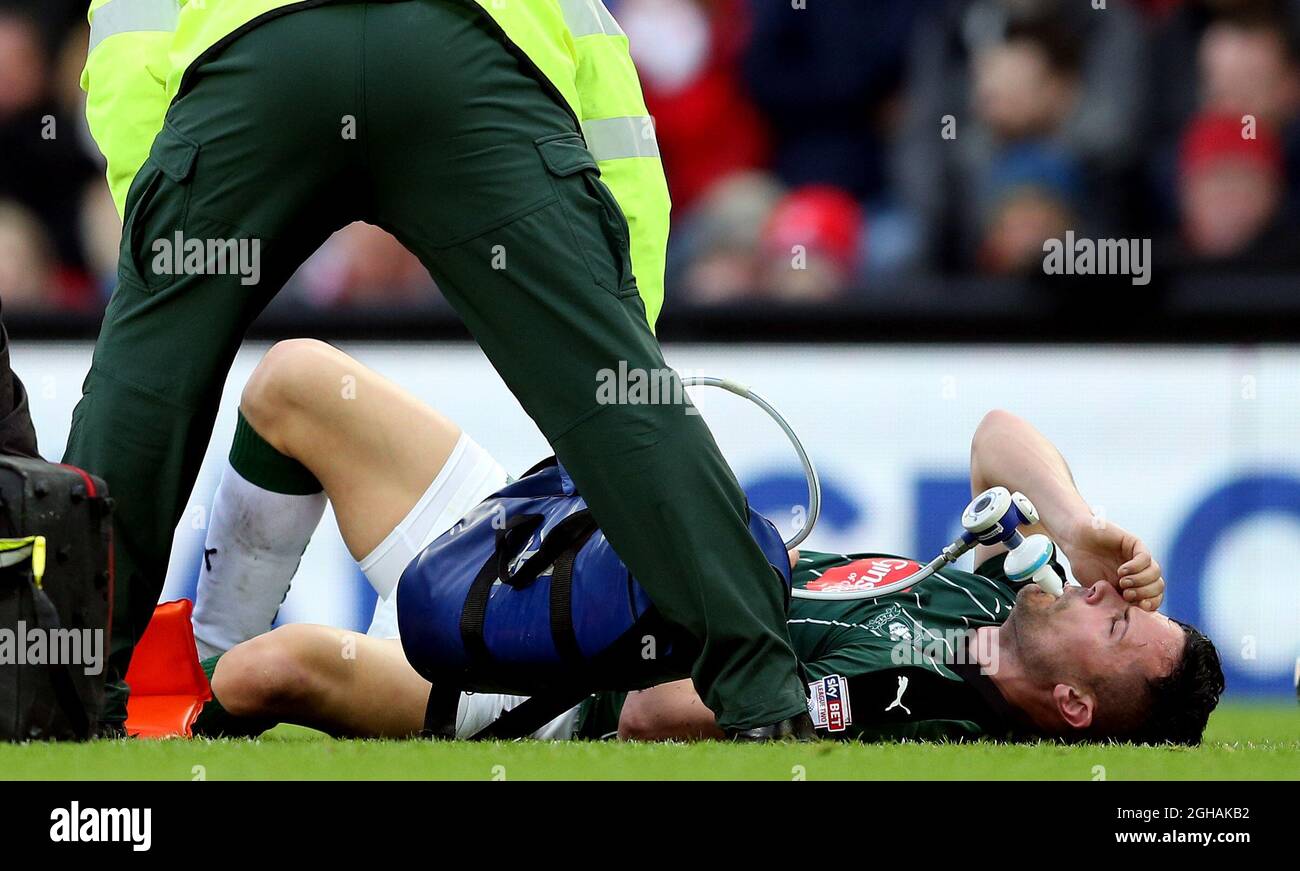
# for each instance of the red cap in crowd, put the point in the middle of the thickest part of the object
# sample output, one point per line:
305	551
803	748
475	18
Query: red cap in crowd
821	218
1210	138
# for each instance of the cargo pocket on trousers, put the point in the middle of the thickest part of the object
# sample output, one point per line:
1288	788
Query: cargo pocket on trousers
596	222
157	208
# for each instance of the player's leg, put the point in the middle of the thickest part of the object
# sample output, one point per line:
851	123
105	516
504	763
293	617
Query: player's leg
507	212
251	153
315	422
373	446
341	682
263	514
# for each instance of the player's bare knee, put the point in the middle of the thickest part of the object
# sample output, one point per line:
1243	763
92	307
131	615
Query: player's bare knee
285	384
629	729
266	676
994	420
637	722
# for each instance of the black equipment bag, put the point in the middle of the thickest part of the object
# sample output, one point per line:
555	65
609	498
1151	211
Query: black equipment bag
56	590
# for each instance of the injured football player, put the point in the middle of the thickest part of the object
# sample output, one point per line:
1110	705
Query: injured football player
959	655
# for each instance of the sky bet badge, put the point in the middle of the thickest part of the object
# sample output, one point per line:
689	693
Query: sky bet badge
828	703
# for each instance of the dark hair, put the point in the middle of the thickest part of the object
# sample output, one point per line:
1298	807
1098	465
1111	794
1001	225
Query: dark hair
1058	45
1169	710
1181	703
1266	16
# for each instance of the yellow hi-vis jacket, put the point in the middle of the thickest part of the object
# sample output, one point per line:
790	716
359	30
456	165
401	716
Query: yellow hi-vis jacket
141	49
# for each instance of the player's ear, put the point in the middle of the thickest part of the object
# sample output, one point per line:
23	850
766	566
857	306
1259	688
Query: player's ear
1074	707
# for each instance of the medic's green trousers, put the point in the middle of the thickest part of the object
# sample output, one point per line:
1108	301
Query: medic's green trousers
414	116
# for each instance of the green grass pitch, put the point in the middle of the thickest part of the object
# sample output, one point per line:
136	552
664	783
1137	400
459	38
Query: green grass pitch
1243	742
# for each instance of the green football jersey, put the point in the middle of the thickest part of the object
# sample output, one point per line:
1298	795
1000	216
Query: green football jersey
902	656
888	667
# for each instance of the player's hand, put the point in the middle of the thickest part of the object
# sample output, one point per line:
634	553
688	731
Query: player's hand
794	557
1107	552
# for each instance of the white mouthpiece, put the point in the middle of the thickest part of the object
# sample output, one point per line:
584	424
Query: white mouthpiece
1032	561
1049	581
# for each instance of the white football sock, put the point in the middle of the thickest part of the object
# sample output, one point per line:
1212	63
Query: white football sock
255	542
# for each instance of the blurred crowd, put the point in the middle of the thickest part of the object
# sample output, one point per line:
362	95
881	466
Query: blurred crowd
816	149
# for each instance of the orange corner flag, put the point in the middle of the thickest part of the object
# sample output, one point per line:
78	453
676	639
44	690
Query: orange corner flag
168	686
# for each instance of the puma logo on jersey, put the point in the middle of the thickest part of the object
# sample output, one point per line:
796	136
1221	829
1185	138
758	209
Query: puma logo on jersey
898	699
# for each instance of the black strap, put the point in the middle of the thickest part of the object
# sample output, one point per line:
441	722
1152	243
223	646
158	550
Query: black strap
562	631
474	613
528	716
564	539
65	686
440	714
511	540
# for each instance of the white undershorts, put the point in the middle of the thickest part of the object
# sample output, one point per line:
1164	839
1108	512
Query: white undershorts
469	476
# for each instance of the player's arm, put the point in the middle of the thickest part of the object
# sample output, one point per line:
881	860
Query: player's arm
1008	451
669	712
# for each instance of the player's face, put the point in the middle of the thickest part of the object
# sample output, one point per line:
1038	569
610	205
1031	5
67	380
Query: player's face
1092	631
